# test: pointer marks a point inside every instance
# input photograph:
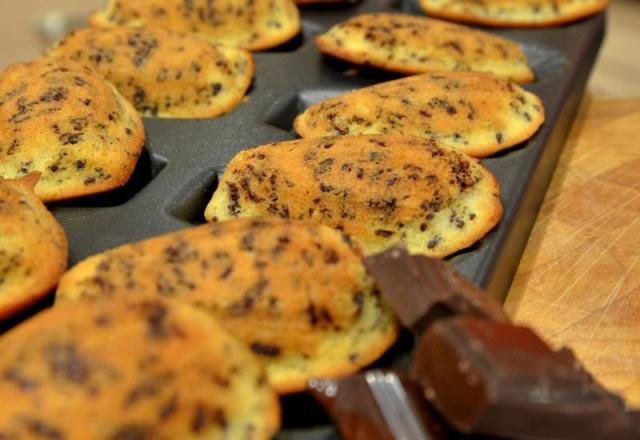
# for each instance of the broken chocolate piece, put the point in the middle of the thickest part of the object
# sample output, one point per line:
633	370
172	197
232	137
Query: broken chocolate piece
500	379
378	405
484	375
423	289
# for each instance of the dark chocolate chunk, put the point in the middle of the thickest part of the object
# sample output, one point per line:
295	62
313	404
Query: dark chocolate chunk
378	405
500	379
422	289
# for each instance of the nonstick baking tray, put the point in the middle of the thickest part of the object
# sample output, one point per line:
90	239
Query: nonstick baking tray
184	159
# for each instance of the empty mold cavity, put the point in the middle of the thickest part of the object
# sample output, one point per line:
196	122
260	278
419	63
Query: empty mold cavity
190	204
27	313
285	109
148	167
308	32
546	62
405	6
370	74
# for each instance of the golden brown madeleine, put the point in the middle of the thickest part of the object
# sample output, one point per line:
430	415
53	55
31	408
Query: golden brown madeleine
514	13
163	73
296	293
476	113
131	368
411	44
379	190
249	24
63	120
33	246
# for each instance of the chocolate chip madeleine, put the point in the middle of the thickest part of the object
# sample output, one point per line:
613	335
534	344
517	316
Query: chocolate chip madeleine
249	24
476	113
63	120
33	246
296	293
135	368
163	73
411	44
380	190
514	13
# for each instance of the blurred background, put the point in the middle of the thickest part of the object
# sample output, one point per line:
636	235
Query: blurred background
27	26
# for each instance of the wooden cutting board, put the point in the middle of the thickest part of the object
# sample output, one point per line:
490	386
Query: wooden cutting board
578	283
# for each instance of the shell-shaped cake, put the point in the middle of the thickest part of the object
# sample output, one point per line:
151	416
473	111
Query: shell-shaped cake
163	73
296	293
249	24
411	44
131	368
33	246
477	113
64	121
514	13
379	190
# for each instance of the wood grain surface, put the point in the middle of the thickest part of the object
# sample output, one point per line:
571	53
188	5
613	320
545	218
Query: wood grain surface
578	283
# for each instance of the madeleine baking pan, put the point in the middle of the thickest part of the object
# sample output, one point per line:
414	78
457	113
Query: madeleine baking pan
184	159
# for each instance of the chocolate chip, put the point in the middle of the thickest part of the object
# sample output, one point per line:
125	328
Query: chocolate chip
43	430
234	197
265	349
24	383
156	315
247	242
325	166
150	387
54	94
132	431
249	298
312	314
331	256
434	242
70	138
325	188
358	300
66	362
168	408
102	320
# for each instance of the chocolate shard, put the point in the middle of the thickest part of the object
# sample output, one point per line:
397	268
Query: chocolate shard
378	405
422	289
500	379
